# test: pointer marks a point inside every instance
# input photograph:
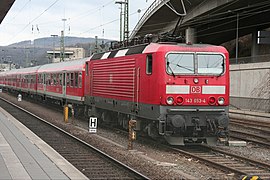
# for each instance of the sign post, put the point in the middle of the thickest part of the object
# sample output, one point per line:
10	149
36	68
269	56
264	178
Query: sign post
93	125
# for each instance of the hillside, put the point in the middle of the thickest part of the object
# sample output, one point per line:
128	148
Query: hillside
26	53
48	42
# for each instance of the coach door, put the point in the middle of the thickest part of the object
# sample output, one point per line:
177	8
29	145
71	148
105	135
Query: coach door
44	82
64	84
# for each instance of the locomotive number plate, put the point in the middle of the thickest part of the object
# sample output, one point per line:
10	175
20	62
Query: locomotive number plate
195	101
195	89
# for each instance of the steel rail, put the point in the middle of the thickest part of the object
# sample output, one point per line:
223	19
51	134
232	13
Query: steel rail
138	174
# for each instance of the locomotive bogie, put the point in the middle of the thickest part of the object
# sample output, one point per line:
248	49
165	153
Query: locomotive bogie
194	124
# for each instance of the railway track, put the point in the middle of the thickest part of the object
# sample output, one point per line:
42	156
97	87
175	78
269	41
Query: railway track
253	129
250	137
229	163
225	161
92	162
257	125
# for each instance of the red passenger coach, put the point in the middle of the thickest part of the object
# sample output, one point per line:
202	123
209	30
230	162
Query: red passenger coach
62	81
175	90
22	80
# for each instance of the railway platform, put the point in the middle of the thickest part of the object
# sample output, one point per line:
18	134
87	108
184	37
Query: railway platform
23	155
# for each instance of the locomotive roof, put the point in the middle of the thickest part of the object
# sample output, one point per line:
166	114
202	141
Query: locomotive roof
75	65
157	47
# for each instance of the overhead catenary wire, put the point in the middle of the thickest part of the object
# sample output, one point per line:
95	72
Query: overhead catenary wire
112	21
201	20
20	10
201	23
34	19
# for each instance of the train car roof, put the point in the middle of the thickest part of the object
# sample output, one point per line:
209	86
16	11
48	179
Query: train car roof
75	65
158	47
28	70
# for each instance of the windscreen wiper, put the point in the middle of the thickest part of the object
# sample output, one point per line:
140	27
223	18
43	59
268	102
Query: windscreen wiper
168	65
185	68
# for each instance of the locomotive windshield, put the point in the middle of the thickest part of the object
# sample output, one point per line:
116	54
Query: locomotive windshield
191	63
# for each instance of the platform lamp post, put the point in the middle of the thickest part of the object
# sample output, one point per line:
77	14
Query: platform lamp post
54	36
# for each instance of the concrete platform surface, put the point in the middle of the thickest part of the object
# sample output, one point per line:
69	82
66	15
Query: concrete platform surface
23	155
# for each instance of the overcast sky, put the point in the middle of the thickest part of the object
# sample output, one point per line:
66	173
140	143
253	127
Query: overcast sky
32	19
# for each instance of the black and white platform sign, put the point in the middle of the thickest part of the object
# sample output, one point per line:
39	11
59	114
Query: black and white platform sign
93	125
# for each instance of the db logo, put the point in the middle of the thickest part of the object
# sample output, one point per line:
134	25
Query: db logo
196	89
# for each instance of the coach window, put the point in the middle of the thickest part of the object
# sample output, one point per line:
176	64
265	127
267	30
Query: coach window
149	64
71	79
80	79
76	79
60	79
32	79
68	79
54	79
57	79
27	79
50	79
47	79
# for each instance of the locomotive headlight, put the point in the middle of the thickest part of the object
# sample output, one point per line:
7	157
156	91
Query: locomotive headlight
221	101
170	100
196	80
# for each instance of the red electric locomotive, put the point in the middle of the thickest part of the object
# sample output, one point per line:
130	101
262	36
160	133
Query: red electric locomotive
177	91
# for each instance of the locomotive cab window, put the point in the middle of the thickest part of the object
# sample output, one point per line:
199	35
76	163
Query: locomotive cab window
149	64
180	63
210	64
195	63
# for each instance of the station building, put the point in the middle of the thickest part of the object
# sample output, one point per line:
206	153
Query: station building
70	54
